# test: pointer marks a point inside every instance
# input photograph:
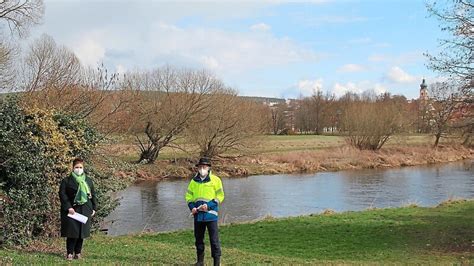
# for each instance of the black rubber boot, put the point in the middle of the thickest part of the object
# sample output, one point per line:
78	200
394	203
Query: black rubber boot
217	261
200	260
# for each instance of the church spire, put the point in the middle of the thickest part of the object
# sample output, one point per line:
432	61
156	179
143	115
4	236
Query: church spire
423	91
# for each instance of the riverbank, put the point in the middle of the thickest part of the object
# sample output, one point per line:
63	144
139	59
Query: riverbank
442	234
311	161
270	154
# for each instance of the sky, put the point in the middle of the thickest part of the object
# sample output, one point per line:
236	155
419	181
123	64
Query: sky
273	48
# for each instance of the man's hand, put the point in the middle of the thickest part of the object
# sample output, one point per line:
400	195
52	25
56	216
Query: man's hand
93	213
194	211
71	211
203	208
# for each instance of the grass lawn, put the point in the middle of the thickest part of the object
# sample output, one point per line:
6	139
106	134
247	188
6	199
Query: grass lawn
444	234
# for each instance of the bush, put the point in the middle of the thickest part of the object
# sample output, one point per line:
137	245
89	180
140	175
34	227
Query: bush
36	150
369	125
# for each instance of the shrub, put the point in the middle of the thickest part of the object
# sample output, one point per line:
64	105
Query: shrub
36	150
369	125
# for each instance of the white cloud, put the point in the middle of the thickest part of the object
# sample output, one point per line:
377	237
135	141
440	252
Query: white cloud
222	50
89	51
398	75
308	87
379	88
120	69
340	89
349	68
210	62
165	43
260	27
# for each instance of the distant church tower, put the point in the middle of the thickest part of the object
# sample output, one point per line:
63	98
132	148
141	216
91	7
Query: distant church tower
423	109
423	91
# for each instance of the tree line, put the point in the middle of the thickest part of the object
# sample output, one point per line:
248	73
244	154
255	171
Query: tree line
166	106
368	120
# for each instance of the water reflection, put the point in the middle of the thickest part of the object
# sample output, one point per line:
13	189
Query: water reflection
161	206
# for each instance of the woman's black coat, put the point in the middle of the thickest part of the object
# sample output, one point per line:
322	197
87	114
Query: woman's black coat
67	192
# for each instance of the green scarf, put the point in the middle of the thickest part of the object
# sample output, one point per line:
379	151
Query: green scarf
83	190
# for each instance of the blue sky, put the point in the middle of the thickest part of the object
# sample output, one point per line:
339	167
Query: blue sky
261	48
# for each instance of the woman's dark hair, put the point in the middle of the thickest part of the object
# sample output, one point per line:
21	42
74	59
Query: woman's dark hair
76	161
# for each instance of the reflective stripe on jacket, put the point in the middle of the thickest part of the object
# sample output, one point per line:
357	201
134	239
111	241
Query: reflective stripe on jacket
208	191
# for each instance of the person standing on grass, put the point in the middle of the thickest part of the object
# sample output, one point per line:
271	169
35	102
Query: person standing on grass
203	196
77	194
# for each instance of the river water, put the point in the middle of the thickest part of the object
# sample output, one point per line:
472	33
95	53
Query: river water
160	206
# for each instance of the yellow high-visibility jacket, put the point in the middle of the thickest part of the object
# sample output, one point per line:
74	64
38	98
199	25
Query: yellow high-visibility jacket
207	191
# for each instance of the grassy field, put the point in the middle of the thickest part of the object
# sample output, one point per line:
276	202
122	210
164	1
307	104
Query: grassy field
124	146
270	154
444	234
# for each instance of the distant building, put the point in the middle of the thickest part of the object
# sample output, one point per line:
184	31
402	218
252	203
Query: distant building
424	91
424	107
265	100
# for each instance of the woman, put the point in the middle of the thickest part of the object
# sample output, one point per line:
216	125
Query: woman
77	194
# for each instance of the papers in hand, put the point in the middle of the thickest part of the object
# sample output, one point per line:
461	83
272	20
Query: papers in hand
78	217
198	208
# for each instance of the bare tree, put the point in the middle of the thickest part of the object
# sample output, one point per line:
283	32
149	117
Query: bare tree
7	74
49	66
332	114
445	102
369	125
277	117
19	15
52	76
230	124
170	99
457	57
463	120
303	116
320	110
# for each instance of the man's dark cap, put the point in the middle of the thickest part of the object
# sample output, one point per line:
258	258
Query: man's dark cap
204	161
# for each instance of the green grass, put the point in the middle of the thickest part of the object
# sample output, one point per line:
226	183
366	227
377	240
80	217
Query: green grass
444	234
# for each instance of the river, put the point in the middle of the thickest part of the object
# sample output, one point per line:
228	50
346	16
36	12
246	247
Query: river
160	206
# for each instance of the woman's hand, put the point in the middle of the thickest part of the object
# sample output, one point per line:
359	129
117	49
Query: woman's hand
93	213
71	211
194	211
203	207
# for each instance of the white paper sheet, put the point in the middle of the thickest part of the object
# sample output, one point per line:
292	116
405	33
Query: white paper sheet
78	217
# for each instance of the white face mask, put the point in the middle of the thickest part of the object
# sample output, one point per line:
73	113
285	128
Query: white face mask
203	172
78	171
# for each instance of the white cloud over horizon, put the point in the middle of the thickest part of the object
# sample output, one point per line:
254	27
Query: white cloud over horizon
398	75
339	89
308	87
213	49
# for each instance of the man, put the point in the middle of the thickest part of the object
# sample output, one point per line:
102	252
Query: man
204	195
